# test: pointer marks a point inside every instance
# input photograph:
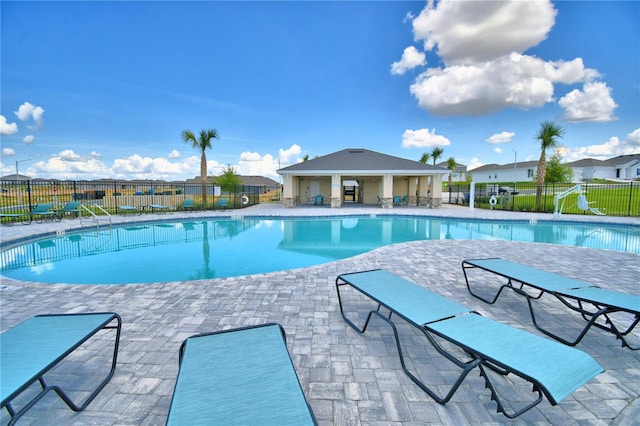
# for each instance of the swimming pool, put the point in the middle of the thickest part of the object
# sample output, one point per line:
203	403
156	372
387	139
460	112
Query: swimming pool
199	249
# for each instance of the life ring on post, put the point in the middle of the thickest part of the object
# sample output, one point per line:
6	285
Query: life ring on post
245	200
493	200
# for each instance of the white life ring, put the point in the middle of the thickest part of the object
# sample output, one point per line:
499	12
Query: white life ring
245	200
493	200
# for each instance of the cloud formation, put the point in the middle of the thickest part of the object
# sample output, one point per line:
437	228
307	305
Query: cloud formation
502	137
8	152
485	70
7	128
610	148
411	58
69	164
476	32
423	138
29	114
593	103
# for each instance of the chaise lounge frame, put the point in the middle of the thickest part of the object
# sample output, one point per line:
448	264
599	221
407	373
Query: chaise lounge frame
35	346
554	370
590	301
238	376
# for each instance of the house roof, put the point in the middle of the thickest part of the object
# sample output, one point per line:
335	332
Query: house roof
588	162
15	177
460	168
493	167
359	160
623	160
258	181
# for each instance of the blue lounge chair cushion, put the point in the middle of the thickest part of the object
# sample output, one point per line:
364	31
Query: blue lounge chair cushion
29	349
527	274
505	345
553	369
592	302
242	377
602	296
187	204
405	298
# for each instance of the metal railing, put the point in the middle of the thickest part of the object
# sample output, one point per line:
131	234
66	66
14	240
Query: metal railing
614	199
20	196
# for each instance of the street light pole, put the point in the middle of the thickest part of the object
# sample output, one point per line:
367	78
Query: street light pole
18	180
515	161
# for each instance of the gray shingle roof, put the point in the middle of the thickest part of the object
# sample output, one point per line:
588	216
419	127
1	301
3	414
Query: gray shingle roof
357	159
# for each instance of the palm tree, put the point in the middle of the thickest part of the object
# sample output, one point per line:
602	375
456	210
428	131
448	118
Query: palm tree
425	158
451	165
202	143
547	136
436	153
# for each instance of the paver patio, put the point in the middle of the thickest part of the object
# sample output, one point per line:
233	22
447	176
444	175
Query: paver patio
349	379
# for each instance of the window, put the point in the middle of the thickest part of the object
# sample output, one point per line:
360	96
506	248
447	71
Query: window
529	173
638	172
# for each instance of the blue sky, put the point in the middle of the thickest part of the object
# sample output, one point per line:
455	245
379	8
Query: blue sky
95	90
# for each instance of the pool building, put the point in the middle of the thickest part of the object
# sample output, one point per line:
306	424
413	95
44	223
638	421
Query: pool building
362	176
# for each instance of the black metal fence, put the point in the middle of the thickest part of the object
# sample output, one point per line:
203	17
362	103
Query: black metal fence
613	199
19	197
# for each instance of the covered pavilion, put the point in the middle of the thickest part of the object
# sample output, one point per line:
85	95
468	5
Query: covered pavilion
362	176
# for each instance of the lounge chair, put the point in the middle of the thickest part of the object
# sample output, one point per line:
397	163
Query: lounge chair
187	204
9	219
590	301
319	200
42	212
32	348
222	203
160	207
72	207
129	209
238	376
554	370
396	200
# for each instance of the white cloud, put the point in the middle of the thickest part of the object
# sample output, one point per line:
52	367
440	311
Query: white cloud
174	154
290	156
481	46
593	103
473	31
7	128
502	137
68	164
411	58
474	164
497	150
28	139
634	137
254	164
27	111
68	155
423	138
611	148
8	152
478	89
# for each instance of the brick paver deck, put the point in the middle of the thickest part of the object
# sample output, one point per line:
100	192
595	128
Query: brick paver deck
349	379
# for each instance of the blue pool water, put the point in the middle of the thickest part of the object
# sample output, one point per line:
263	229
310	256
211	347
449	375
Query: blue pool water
191	250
